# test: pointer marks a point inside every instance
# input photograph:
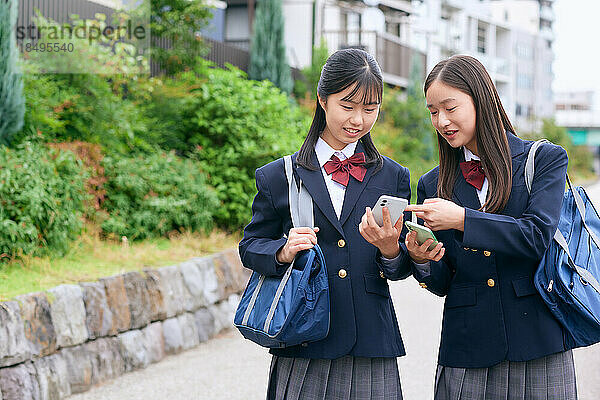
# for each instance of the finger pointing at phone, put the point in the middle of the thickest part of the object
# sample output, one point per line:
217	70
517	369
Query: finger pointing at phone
440	214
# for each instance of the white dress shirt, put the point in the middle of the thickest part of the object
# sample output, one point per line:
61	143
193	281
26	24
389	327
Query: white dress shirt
336	190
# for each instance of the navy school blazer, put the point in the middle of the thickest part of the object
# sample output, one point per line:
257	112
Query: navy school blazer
492	310
363	321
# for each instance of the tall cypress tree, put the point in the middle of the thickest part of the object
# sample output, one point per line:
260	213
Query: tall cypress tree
12	103
267	54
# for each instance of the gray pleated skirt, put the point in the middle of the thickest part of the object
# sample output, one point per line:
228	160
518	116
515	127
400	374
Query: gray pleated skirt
345	378
547	378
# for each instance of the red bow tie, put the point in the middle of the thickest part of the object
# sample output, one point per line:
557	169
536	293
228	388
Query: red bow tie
473	173
340	171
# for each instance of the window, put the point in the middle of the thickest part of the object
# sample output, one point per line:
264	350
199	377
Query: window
352	24
518	110
544	23
524	81
481	38
523	51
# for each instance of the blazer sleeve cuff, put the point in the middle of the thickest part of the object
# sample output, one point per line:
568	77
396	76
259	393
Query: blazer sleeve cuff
395	268
421	271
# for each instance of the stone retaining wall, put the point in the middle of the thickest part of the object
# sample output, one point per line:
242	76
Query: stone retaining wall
64	341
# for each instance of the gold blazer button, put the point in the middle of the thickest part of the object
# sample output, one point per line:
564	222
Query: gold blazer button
341	243
487	253
491	283
342	273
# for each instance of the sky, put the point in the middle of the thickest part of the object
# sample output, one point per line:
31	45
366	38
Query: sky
577	45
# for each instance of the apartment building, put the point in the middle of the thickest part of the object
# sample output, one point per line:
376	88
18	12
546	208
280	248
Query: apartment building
512	38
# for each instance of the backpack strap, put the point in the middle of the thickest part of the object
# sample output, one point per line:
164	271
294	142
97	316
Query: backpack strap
530	164
558	236
529	174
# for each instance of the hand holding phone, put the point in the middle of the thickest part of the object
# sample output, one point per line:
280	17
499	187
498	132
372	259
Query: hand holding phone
395	205
372	228
423	233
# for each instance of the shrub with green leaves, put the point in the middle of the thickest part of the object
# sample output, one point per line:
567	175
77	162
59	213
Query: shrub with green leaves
154	195
84	107
232	126
42	198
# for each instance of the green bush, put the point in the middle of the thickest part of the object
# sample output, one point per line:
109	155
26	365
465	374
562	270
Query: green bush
89	103
84	107
232	126
41	199
151	196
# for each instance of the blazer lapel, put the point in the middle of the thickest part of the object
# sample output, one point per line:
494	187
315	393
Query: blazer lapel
315	184
465	193
354	189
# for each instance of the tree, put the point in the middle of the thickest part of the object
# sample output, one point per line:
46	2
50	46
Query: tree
179	23
267	54
12	102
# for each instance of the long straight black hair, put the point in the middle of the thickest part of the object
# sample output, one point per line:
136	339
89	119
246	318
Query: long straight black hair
468	75
343	69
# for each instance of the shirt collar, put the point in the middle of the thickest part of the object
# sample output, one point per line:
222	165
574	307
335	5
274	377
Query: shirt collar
325	151
469	155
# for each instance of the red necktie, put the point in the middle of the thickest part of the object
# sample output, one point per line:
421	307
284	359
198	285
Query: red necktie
340	171
473	173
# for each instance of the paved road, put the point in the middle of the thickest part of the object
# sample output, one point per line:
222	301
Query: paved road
229	367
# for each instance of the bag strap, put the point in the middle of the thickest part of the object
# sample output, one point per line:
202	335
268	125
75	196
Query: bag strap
301	204
585	275
558	236
530	164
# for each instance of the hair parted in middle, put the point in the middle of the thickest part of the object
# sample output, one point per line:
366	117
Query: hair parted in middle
343	69
468	75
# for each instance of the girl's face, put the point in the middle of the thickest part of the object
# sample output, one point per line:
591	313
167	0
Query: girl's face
452	115
347	120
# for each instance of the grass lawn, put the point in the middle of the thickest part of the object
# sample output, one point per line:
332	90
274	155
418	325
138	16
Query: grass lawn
91	258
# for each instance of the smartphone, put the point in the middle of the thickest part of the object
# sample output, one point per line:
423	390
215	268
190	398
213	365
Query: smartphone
396	205
423	233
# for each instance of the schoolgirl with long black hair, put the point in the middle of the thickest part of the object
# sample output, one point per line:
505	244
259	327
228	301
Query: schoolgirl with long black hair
345	175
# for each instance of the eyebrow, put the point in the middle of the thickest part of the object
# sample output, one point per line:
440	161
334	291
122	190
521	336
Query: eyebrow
373	103
449	99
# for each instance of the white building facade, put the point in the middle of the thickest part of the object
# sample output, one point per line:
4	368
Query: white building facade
512	38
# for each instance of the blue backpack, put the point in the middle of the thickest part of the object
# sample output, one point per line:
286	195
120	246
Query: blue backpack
294	308
567	277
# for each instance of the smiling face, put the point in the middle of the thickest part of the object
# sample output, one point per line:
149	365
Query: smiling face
453	115
347	119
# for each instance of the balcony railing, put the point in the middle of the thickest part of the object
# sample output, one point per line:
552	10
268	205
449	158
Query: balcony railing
394	57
